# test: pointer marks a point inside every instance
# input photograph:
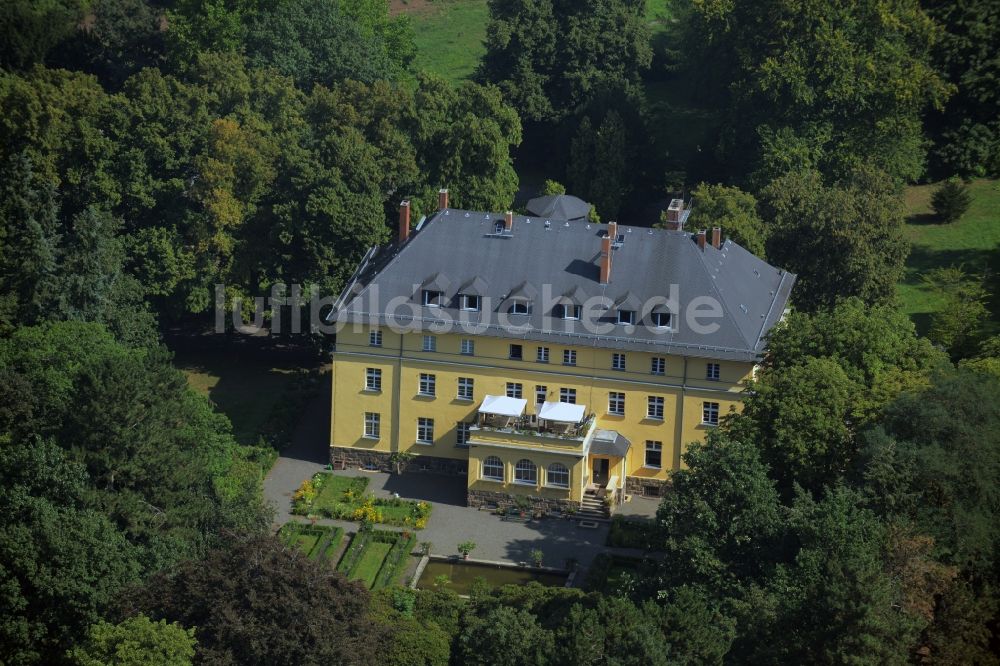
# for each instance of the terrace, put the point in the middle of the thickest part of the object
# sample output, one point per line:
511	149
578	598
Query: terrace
554	420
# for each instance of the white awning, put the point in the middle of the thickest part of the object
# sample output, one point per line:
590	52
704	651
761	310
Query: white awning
502	405
562	411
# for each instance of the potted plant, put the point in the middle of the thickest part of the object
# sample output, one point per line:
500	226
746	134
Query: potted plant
465	548
536	558
425	547
523	505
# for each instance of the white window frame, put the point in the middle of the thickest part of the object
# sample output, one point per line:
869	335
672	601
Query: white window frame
559	470
432	299
654	404
542	355
660	361
463	430
521	470
466	388
710	413
375	338
468	347
618	361
569	357
492	462
652	446
470	302
712	372
373	425
515	390
541	392
373	379
430	343
519	308
567	395
425	430
571	312
616	403
657	318
626	317
427	385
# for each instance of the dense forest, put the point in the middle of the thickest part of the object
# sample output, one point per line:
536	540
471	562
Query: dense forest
151	149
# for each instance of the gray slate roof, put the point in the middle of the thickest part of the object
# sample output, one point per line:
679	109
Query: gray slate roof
557	258
561	206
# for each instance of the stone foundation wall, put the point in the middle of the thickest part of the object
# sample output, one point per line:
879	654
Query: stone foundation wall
380	460
489	498
637	485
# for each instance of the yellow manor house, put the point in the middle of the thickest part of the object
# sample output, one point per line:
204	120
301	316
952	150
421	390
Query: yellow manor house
557	361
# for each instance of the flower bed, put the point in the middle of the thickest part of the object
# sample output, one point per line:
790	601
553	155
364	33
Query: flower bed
344	498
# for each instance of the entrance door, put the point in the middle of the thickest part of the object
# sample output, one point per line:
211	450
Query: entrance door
600	471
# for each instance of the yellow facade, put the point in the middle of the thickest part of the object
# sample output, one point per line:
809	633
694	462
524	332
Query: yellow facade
684	387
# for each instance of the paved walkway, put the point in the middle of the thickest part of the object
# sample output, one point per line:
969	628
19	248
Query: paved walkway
451	522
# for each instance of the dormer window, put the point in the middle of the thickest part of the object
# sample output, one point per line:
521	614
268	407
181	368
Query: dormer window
626	317
519	308
661	319
567	311
433	299
470	302
498	227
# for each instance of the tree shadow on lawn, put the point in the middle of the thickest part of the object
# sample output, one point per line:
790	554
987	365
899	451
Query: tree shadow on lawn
976	262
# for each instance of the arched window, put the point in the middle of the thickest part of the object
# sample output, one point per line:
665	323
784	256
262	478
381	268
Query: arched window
493	468
558	475
525	472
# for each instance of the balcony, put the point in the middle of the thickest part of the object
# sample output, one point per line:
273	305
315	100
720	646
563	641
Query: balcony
502	418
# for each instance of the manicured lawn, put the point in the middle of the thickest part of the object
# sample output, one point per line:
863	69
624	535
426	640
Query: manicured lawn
332	492
449	35
972	242
316	541
371	561
245	390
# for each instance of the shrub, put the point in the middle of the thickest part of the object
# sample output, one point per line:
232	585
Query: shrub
631	534
951	200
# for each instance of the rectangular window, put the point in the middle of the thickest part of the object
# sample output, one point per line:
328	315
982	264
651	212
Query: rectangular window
710	413
654	454
465	388
428	384
542	354
516	352
469	347
616	403
626	317
462	432
569	357
375	338
519	308
433	299
618	361
430	343
661	319
470	302
514	390
567	395
372	425
568	311
425	430
712	371
541	393
658	365
373	379
654	407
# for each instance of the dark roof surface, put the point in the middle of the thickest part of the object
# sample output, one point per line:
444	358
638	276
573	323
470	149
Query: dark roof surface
554	258
559	206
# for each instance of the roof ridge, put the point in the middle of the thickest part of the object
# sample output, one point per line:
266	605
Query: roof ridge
721	298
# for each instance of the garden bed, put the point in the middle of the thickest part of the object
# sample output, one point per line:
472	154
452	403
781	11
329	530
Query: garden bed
616	574
376	557
641	534
316	541
343	498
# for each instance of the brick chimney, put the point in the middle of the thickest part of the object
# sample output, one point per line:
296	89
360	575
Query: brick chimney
613	230
716	237
606	260
701	239
404	221
674	211
442	198
508	221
